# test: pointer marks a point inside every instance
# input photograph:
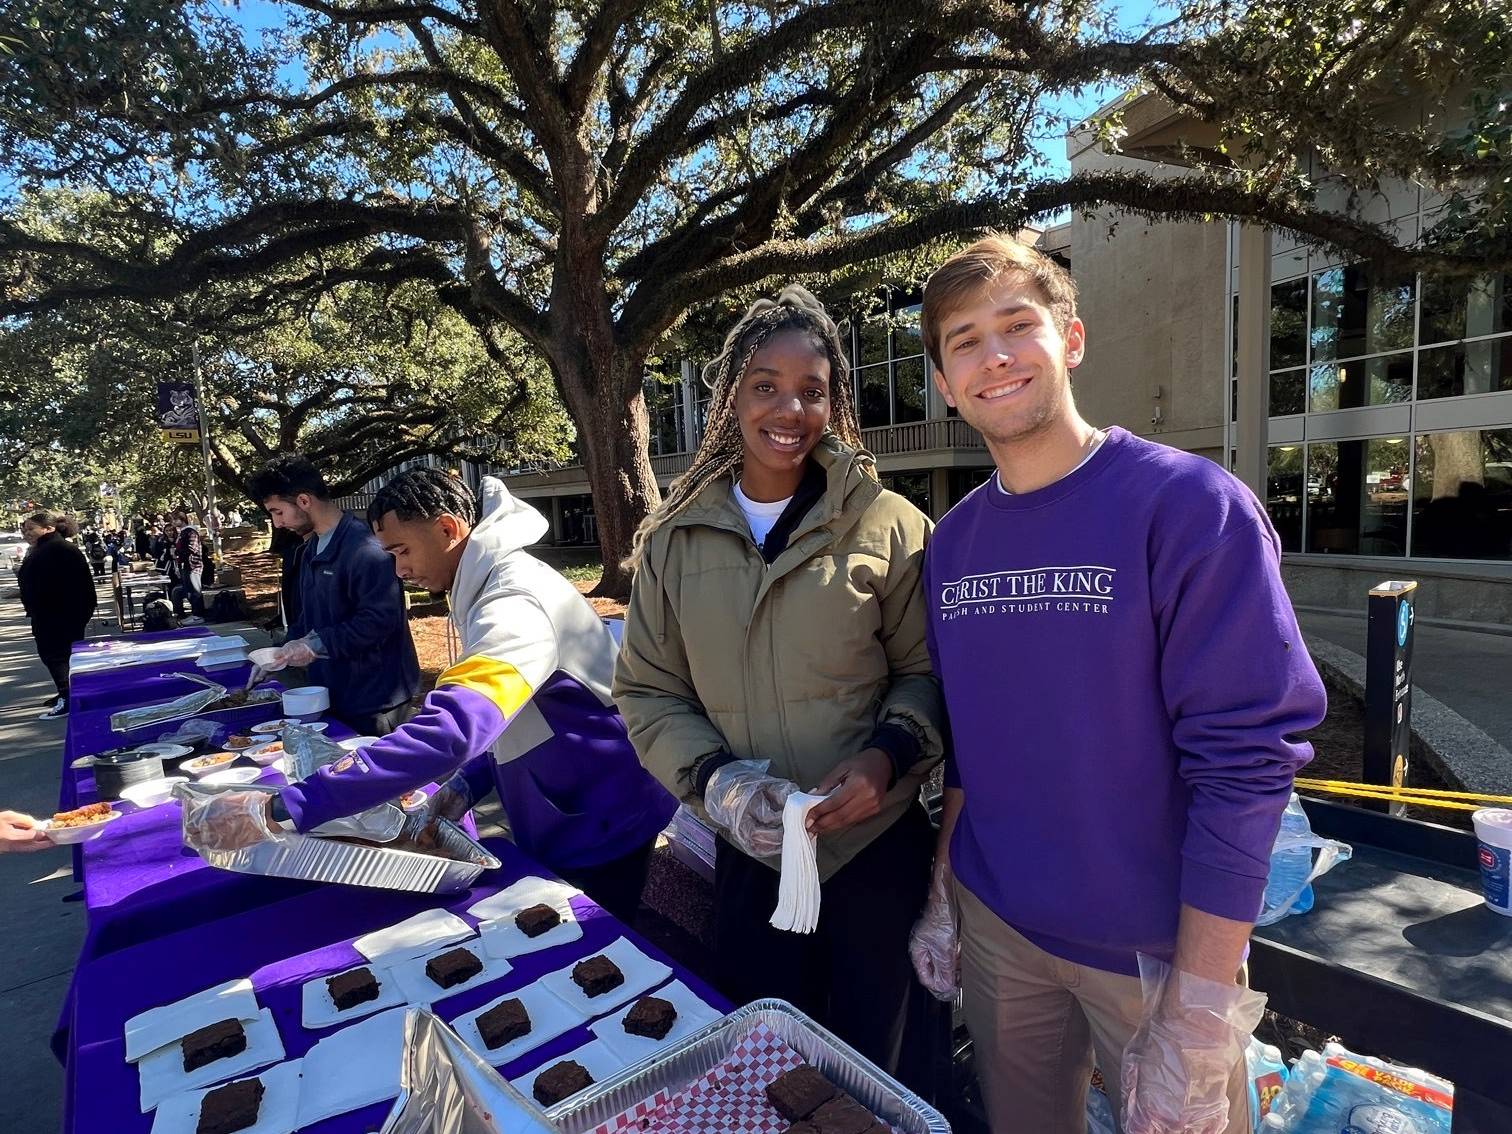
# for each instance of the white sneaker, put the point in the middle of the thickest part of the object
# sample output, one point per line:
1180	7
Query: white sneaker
59	709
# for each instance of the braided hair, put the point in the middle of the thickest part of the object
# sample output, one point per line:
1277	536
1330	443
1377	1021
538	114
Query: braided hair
423	494
721	450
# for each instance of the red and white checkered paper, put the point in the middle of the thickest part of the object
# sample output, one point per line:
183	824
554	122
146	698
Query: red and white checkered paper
730	1098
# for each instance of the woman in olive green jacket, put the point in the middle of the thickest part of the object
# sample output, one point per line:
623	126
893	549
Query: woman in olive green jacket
776	618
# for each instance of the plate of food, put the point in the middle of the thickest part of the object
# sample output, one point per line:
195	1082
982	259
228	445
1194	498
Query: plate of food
202	765
238	741
266	753
165	750
414	800
79	825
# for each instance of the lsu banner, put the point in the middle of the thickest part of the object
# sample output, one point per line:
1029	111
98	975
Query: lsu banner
178	413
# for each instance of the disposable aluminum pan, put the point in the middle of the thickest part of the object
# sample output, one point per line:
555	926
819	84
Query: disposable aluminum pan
450	868
189	705
693	1057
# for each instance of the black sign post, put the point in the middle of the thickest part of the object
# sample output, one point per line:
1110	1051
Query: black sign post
1388	687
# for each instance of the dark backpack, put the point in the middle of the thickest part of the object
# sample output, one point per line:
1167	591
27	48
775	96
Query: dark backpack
158	615
226	607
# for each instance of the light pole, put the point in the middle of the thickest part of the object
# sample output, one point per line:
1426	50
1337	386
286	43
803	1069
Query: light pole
211	527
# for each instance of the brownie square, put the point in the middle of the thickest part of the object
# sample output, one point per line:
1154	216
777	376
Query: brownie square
537	920
798	1093
212	1042
453	968
353	988
230	1108
651	1017
557	1082
504	1022
844	1115
597	975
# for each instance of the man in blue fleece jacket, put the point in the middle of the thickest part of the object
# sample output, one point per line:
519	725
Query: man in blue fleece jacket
1126	683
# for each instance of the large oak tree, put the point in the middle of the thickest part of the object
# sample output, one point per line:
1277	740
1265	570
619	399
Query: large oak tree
583	173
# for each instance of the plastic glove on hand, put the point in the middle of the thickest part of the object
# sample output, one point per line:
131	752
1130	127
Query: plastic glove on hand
747	803
447	803
1176	1069
300	652
227	821
934	946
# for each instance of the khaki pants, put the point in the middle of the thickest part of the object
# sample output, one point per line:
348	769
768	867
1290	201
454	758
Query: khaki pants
1038	1024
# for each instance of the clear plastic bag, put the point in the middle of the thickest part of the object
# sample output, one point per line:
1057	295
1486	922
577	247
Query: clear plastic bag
1293	866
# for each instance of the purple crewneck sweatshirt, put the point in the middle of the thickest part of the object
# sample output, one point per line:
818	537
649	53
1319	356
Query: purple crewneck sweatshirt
1126	681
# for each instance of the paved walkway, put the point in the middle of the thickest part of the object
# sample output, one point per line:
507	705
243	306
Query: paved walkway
42	933
1467	670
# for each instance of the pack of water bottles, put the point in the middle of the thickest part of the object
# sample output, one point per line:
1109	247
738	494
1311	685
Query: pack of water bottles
1336	1091
1288	888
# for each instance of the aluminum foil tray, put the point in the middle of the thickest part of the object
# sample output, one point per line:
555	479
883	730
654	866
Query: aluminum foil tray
189	705
452	868
693	1057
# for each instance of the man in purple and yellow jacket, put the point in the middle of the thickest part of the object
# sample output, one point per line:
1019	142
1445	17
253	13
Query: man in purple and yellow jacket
525	708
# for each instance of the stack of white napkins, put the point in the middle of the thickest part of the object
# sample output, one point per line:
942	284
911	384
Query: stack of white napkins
798	892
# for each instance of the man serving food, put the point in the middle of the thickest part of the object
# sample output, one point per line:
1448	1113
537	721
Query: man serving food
525	709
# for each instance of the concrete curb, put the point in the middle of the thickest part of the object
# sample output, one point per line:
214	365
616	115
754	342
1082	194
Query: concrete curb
1461	753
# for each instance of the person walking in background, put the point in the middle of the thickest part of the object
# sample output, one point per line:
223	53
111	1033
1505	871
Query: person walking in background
189	558
143	538
58	594
94	548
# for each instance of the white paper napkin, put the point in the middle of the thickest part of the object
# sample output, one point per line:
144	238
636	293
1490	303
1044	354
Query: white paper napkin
318	1010
798	890
162	1072
355	1067
502	937
147	1031
418	988
549	1018
413	937
640	972
278	1113
597	1059
692	1014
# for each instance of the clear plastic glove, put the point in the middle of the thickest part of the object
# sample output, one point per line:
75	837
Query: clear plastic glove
934	946
748	803
300	653
20	833
227	821
447	802
1177	1067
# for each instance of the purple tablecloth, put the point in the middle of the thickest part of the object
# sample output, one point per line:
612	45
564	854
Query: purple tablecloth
280	947
124	684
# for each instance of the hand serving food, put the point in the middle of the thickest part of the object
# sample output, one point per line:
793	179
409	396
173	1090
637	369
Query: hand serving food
228	821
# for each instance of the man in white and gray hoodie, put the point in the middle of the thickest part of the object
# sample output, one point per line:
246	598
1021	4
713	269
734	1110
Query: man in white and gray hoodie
525	709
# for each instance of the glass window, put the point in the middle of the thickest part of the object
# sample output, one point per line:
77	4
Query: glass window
1462	495
1363	382
906	338
871	340
1288	325
1288	392
872	396
912	486
963	481
908	390
1357	496
1283	494
1353	314
1465	368
1465	309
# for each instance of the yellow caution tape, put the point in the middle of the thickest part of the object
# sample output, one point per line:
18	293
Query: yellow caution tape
1419	797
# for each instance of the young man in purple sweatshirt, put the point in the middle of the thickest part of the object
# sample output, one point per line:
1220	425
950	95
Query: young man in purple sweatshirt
1126	686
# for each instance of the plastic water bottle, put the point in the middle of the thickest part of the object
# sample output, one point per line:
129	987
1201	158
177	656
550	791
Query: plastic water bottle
1339	1092
1291	862
1267	1078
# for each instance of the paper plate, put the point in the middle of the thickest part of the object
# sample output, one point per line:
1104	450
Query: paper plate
68	836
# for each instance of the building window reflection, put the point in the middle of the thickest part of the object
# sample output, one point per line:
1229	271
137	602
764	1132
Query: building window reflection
1357	496
1462	495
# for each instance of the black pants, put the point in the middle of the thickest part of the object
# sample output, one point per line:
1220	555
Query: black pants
54	646
616	885
852	974
379	723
